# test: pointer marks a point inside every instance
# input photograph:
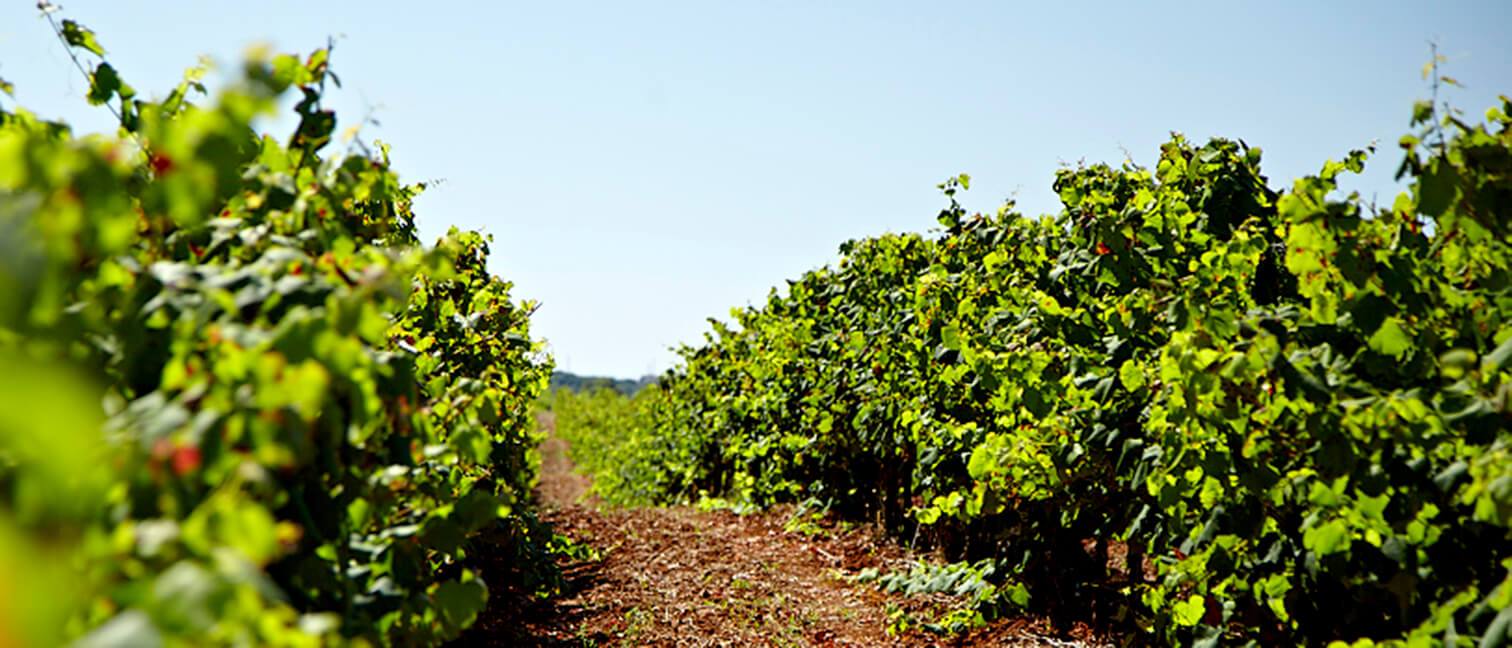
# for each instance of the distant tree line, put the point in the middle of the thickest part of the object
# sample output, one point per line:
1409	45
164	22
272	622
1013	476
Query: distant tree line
574	382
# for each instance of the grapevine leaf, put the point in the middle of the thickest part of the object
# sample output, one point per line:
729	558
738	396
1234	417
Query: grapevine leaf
126	630
1391	339
1131	375
1457	363
1499	358
103	84
1437	188
461	602
1189	612
477	509
1331	537
950	337
80	36
981	463
1422	111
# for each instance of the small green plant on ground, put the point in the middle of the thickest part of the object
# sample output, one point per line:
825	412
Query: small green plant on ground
981	594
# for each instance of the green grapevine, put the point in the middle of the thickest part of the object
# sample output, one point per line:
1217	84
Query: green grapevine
1289	410
309	419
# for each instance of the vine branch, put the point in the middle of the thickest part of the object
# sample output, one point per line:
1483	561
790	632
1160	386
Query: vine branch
48	9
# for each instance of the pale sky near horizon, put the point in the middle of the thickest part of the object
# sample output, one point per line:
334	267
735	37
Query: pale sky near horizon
644	168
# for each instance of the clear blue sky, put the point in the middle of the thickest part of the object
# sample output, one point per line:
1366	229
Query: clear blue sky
644	168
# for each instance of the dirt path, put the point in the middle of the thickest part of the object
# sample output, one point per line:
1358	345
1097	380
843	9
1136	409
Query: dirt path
681	577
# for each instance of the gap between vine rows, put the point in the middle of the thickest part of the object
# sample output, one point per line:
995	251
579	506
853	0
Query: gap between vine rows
684	577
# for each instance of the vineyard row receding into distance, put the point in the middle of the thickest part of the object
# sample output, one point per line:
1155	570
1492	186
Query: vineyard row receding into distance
246	406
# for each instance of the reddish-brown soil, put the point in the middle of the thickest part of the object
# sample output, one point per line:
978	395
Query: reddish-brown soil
681	577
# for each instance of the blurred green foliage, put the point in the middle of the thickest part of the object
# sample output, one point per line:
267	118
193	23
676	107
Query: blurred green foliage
1292	407
240	403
